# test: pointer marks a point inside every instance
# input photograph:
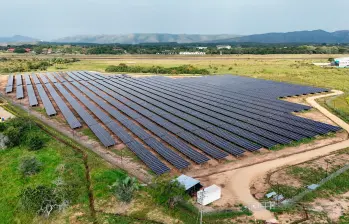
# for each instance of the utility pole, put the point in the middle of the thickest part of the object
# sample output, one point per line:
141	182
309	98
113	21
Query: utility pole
201	200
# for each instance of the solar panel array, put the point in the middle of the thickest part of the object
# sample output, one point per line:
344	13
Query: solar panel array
178	120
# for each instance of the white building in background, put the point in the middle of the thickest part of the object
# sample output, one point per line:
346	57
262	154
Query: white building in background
219	47
341	62
192	53
201	48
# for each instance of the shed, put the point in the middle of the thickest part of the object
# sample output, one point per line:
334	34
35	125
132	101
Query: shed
209	195
190	184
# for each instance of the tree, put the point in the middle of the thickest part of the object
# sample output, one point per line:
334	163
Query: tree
30	166
19	50
126	188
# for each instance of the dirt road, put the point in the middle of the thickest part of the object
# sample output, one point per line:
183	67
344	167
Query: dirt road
241	179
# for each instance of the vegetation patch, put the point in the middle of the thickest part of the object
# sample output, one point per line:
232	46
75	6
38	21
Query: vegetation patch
183	69
25	65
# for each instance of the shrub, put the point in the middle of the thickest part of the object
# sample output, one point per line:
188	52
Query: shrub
3	141
35	142
183	69
14	135
30	166
42	200
168	192
126	188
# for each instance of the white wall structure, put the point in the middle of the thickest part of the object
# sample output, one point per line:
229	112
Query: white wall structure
342	62
209	195
192	53
223	47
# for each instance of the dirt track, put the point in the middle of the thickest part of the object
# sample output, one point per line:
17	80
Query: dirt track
240	179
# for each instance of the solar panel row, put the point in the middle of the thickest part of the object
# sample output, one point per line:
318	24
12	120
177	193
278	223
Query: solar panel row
168	154
302	128
9	86
30	90
232	98
227	146
93	124
249	95
312	131
192	154
194	98
50	110
207	147
67	113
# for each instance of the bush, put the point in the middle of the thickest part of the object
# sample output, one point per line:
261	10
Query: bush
183	69
42	200
3	141
126	188
14	135
30	166
35	142
168	192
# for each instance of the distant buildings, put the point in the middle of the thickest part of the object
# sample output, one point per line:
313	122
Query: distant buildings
219	47
201	48
192	53
11	50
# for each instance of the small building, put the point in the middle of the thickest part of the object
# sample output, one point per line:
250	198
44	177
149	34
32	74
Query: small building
27	50
219	47
190	184
341	62
209	195
201	48
11	50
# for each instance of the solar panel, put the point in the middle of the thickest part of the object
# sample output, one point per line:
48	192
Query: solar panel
9	86
67	113
31	94
166	153
19	92
19	80
148	158
99	131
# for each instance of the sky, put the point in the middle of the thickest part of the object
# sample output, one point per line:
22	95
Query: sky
52	19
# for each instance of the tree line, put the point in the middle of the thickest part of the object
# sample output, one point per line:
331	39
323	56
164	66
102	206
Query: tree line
175	48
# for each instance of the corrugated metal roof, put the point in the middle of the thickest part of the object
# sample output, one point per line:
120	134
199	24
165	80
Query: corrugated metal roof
187	182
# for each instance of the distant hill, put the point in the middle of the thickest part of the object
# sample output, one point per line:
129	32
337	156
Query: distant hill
144	38
17	39
315	36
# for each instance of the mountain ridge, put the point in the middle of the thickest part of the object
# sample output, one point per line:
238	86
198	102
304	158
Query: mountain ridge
312	36
137	38
18	39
